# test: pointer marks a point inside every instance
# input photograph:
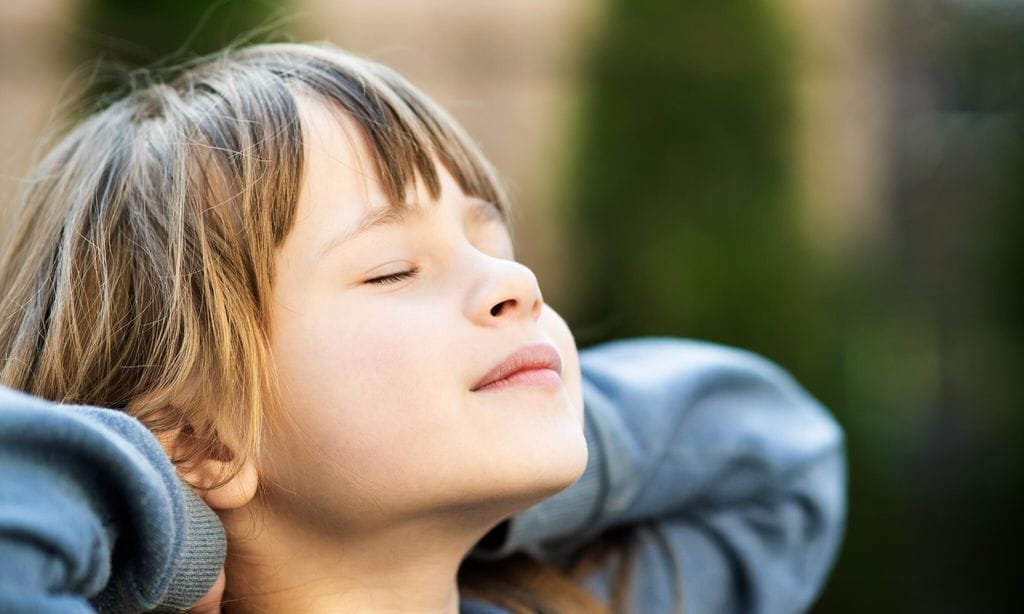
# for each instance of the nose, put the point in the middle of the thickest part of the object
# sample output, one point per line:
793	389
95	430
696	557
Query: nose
507	291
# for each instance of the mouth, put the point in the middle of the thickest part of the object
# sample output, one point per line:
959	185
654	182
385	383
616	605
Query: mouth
535	364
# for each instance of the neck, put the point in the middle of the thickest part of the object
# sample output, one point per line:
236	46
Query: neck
282	565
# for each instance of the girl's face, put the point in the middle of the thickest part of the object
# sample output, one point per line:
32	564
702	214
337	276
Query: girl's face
379	337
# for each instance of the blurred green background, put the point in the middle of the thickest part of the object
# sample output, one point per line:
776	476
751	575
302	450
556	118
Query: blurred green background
833	184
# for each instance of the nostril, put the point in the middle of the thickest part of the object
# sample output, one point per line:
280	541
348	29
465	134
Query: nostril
497	308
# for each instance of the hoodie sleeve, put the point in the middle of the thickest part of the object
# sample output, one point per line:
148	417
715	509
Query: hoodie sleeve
93	515
732	475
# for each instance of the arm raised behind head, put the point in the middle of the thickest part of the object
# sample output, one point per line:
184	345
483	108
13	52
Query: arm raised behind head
93	515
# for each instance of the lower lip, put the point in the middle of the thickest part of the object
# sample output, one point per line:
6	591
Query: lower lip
528	377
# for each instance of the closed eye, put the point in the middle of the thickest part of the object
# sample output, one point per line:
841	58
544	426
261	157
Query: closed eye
394	277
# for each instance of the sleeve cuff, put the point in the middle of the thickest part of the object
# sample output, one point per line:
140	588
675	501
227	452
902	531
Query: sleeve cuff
201	558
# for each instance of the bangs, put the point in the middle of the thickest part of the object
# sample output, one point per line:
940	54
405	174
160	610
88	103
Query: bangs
406	132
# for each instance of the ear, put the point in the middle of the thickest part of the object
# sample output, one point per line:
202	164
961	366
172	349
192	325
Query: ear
203	472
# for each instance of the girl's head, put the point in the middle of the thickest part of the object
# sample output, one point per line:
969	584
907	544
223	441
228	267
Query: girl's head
297	267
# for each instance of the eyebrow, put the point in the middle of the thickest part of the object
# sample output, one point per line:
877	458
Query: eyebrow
394	216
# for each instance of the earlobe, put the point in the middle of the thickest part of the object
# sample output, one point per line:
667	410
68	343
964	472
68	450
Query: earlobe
233	494
204	473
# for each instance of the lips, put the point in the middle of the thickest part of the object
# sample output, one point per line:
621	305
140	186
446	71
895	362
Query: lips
527	358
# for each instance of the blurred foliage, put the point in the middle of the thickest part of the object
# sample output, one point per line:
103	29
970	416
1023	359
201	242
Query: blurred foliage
684	147
960	220
124	39
682	194
683	202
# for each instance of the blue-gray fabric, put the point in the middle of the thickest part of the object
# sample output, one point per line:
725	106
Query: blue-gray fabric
729	475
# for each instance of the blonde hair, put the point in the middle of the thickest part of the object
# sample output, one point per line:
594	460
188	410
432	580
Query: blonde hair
140	273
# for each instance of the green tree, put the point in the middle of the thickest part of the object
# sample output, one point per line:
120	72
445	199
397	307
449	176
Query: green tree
118	37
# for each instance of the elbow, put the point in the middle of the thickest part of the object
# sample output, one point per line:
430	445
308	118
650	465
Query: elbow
816	523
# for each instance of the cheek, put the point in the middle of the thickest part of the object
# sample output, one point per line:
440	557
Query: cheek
371	392
360	378
350	352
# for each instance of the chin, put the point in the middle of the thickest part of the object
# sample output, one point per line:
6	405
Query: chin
531	476
559	467
531	455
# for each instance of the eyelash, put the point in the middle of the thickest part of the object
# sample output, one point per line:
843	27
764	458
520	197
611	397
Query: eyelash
394	277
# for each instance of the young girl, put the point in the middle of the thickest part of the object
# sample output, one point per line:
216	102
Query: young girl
297	272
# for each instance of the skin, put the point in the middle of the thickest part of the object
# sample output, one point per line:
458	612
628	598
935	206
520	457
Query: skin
390	468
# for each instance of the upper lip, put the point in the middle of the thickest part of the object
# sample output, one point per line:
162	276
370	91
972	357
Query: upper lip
531	356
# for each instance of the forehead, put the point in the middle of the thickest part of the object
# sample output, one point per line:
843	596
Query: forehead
341	194
341	166
338	161
338	188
